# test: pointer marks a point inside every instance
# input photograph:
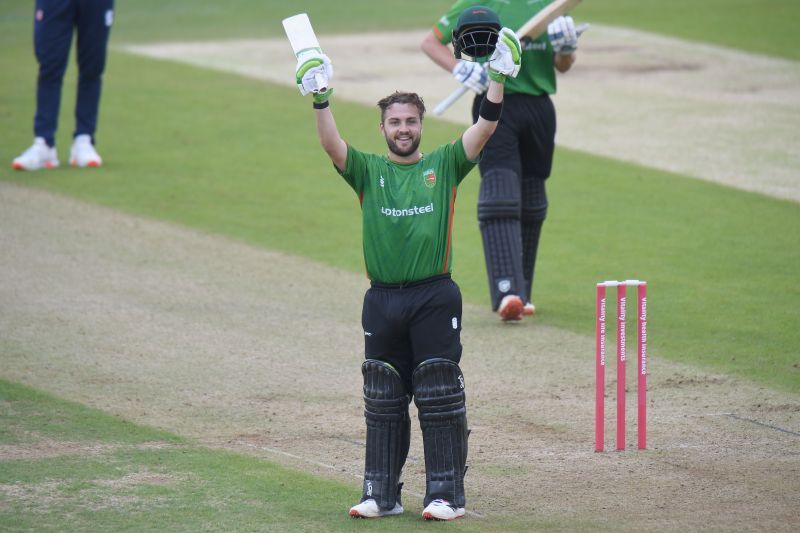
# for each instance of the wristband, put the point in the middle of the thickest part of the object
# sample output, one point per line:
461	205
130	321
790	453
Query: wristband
322	105
490	111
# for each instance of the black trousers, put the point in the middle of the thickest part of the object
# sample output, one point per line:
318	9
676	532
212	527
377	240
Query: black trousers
524	141
405	325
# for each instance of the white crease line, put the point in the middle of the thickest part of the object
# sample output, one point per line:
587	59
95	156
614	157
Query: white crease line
331	467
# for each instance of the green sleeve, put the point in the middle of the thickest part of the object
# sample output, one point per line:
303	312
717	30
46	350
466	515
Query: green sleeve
456	159
463	164
355	169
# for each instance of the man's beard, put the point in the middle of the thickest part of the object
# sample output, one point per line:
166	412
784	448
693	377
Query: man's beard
403	153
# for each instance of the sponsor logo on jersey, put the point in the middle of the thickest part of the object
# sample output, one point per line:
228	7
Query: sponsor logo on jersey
539	46
430	178
408	212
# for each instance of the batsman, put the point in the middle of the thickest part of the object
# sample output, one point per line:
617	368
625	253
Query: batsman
512	204
411	316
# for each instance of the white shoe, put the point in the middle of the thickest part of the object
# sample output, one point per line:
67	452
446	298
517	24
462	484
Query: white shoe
442	510
510	308
39	155
83	154
369	509
529	309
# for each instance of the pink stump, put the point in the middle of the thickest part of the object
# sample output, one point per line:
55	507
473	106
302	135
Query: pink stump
621	301
642	367
600	368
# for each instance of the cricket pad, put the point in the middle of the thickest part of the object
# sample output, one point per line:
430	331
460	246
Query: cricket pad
388	432
499	213
534	212
440	399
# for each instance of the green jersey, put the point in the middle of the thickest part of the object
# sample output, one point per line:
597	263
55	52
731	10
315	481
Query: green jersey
407	211
538	74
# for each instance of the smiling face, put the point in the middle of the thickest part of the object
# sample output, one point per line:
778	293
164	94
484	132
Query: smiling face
402	128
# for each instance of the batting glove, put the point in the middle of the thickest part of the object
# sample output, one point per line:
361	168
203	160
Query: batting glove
563	35
507	57
313	73
472	75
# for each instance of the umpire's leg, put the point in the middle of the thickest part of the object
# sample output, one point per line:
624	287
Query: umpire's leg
52	37
94	19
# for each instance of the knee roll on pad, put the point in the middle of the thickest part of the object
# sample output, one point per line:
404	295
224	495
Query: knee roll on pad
534	200
499	195
388	432
440	399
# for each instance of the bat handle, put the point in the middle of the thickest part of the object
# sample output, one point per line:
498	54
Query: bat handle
450	100
321	82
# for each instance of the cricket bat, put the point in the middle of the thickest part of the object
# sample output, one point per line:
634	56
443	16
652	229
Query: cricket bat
303	40
532	29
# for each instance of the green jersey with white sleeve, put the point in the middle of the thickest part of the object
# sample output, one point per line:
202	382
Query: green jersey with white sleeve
407	211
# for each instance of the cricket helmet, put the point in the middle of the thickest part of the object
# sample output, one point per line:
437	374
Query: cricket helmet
475	34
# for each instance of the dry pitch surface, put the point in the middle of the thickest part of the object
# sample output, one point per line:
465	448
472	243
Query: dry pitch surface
210	339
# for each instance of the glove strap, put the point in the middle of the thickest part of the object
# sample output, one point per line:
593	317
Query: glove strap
497	76
322	98
322	105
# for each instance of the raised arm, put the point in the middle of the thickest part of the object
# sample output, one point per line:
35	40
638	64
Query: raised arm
329	137
477	135
505	61
313	77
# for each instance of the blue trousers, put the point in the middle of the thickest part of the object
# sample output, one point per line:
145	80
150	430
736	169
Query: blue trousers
53	26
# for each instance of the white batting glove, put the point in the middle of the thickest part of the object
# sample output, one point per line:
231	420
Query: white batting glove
506	59
314	72
472	75
563	35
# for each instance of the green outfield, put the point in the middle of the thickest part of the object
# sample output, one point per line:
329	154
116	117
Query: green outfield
235	156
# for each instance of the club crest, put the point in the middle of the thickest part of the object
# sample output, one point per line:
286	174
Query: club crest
430	178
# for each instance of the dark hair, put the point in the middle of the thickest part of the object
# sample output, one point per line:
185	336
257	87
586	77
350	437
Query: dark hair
402	98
